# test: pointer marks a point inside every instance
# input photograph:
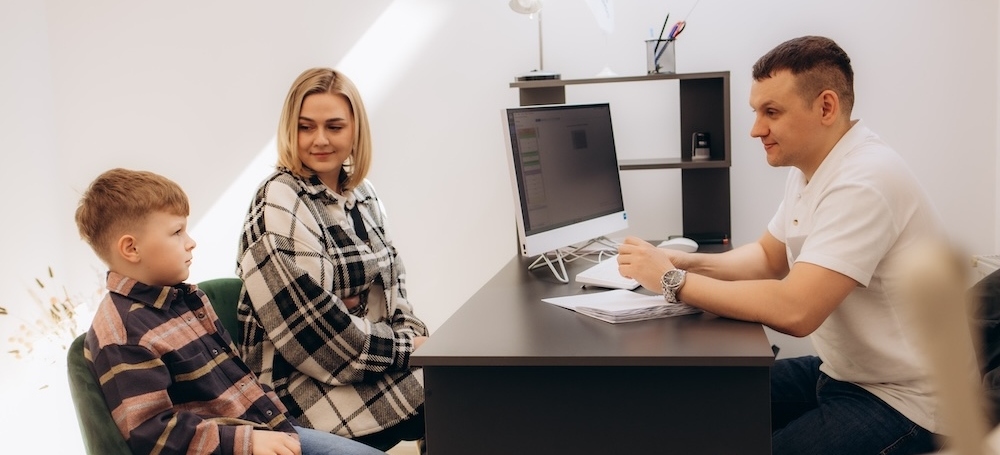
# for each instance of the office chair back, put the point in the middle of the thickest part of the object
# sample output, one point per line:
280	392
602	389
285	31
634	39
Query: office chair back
224	293
97	427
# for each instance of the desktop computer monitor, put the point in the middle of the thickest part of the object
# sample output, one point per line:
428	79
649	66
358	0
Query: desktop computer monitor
564	174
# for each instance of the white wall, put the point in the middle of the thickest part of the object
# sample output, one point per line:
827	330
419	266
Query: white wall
192	90
32	206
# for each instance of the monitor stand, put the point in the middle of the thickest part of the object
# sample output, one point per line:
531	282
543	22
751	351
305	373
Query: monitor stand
563	255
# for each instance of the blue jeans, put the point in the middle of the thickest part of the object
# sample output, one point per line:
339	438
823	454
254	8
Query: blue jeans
814	414
322	443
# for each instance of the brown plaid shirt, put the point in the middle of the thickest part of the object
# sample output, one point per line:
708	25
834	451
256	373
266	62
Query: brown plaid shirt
171	374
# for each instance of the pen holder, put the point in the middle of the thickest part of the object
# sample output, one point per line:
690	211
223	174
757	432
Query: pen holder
660	56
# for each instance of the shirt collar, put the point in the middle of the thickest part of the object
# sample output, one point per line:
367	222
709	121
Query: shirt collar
857	134
158	297
318	190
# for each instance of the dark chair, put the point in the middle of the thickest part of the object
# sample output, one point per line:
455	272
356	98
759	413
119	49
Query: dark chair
224	293
985	299
100	434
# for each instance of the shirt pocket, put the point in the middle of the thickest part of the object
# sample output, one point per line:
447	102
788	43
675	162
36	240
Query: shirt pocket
195	379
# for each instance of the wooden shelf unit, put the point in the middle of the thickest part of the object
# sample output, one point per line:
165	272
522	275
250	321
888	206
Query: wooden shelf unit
704	107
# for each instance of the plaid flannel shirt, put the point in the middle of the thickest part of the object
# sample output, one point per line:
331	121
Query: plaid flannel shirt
336	372
171	374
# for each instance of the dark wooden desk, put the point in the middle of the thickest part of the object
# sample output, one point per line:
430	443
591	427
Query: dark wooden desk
510	374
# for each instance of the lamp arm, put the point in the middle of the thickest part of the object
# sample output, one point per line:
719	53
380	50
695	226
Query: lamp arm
541	61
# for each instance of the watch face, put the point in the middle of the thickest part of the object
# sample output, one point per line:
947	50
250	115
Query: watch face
673	278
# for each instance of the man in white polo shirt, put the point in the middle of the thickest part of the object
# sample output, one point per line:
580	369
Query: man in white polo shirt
823	267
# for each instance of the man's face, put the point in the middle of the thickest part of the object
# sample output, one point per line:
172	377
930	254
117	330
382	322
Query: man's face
787	124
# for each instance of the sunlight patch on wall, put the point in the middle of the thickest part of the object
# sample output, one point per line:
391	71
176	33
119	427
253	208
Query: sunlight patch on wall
375	63
219	230
386	51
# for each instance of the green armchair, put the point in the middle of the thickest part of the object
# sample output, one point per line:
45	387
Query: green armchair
224	293
97	427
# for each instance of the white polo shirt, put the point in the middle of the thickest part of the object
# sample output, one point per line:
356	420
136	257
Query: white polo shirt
862	208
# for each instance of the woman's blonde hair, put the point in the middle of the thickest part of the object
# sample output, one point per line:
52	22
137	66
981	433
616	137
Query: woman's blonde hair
324	80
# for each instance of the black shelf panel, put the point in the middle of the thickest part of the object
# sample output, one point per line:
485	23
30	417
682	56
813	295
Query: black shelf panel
669	163
609	80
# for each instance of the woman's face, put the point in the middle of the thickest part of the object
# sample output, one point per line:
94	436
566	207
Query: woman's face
326	135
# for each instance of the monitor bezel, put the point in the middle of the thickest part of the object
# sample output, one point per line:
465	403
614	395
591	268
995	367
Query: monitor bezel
548	240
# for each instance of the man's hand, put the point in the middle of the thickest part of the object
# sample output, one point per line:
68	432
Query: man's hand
274	443
645	263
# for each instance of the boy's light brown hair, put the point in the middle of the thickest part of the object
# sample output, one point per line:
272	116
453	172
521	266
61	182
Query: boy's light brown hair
119	200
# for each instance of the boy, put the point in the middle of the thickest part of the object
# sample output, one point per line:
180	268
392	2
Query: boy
170	373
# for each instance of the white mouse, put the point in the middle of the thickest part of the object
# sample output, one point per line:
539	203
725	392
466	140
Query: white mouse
679	243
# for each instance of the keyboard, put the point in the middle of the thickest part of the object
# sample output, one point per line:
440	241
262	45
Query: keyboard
605	274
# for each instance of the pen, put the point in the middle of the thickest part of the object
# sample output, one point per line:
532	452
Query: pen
672	31
656	59
657	46
676	31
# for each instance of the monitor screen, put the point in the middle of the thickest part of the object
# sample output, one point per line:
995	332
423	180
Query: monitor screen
564	173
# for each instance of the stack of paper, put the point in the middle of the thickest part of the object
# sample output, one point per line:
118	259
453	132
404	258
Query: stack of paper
620	305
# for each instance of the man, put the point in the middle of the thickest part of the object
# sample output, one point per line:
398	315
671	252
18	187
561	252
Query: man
823	267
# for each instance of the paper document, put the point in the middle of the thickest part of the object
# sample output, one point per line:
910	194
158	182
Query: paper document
620	305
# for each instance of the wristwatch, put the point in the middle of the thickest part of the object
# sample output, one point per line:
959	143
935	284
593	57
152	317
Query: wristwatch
672	282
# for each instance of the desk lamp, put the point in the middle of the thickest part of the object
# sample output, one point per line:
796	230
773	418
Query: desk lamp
533	8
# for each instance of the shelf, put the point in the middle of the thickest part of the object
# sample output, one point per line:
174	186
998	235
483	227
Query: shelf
608	80
704	108
669	163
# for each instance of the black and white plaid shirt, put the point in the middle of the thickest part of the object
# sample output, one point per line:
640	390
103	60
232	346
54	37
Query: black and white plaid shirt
336	372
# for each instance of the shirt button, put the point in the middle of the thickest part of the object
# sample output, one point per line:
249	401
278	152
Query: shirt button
795	222
269	412
215	352
201	315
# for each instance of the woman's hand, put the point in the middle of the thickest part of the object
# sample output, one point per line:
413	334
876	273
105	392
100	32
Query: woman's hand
351	302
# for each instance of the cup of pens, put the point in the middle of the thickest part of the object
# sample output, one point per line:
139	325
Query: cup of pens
660	57
660	51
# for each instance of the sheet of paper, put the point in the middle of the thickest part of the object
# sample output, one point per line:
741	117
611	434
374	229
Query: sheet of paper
614	300
620	305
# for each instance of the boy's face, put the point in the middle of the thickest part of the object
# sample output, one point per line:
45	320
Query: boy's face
164	249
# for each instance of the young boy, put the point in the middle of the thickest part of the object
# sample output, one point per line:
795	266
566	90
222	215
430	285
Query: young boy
170	373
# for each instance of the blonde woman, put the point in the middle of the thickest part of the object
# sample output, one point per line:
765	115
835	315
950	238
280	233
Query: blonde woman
325	316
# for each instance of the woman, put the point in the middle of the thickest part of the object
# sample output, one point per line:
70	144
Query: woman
324	311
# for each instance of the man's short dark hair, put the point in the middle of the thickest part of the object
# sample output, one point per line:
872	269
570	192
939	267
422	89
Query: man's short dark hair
818	64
